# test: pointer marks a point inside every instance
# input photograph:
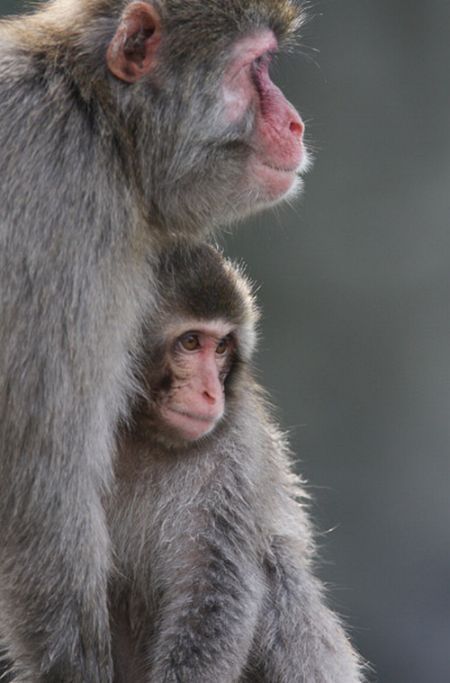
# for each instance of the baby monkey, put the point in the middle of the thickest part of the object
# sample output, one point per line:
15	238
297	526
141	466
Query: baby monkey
212	580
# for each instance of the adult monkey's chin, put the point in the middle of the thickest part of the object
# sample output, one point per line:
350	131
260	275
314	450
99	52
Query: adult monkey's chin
273	183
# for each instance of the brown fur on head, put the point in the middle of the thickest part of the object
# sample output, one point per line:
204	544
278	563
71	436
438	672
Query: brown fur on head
211	21
196	34
205	28
196	282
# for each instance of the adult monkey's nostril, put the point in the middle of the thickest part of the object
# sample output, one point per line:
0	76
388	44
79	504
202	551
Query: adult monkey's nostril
296	128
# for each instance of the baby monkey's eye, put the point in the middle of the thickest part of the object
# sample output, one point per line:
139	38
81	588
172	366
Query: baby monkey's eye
223	345
189	341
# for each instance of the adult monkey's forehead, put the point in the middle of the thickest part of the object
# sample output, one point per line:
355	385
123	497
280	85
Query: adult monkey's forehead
202	28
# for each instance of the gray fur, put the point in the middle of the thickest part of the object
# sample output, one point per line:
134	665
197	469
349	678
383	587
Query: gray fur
95	176
212	541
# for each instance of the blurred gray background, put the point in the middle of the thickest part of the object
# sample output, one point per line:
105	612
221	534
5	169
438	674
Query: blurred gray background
354	284
355	289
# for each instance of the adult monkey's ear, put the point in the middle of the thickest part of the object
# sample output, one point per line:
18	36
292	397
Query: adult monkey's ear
131	52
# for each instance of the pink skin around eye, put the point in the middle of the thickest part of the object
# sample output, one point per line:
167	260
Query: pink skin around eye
278	153
237	90
198	402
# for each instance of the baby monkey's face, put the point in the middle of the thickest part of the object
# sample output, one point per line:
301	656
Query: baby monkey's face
191	399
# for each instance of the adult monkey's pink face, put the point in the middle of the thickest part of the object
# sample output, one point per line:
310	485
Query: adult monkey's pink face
277	151
226	140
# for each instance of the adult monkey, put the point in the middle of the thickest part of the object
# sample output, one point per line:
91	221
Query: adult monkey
122	123
213	549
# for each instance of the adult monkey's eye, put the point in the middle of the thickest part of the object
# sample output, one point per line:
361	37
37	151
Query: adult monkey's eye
189	342
263	60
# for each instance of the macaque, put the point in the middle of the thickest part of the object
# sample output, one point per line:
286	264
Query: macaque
211	539
124	124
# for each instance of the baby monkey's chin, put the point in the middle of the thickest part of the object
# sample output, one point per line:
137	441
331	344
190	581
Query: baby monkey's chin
189	426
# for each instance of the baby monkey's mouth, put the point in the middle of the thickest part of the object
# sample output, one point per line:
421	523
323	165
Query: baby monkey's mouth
194	416
188	425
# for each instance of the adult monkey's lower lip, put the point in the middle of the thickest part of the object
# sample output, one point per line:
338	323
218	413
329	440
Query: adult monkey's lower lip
275	181
281	169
